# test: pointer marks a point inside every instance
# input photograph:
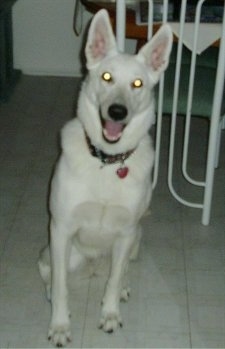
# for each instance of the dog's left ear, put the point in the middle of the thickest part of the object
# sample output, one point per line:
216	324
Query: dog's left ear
155	54
101	41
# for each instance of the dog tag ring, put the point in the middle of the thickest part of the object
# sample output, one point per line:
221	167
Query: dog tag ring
122	172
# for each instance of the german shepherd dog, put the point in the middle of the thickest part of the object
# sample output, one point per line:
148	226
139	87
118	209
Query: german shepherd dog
102	182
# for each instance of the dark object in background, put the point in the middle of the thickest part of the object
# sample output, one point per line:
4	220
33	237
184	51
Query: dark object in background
8	75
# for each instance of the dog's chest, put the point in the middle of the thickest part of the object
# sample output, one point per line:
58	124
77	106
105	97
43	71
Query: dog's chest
91	182
107	205
110	184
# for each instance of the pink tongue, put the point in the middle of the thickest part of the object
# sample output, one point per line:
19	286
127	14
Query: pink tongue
113	128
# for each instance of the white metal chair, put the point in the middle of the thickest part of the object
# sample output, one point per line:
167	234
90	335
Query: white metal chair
216	120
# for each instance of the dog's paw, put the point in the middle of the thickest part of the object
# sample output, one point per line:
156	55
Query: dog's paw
109	322
59	335
125	294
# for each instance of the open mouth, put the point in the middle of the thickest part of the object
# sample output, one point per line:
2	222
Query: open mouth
112	130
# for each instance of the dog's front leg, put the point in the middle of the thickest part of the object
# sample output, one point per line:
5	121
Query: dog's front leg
110	316
59	330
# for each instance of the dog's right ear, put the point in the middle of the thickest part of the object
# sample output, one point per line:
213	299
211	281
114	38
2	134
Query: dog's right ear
101	41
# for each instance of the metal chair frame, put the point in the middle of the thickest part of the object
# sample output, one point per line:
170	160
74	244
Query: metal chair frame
217	122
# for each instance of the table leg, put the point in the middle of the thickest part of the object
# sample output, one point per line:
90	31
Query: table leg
120	23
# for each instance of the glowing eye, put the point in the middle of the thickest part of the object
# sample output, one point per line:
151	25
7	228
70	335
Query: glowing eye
107	77
137	83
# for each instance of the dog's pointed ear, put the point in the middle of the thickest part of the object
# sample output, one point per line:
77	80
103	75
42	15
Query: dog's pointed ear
155	54
101	41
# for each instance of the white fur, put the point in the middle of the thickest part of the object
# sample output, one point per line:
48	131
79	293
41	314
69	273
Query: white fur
93	211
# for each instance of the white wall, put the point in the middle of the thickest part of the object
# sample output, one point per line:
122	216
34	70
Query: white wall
44	40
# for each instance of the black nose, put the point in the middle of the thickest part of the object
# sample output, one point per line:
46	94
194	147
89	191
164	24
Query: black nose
117	112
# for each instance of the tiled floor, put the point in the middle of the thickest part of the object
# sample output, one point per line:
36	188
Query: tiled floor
178	282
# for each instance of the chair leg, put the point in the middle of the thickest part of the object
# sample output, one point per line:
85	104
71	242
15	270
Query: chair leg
210	166
223	123
210	171
217	156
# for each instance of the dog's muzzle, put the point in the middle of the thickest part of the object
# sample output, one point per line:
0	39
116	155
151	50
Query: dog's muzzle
113	127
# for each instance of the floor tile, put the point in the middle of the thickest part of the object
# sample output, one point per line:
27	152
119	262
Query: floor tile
205	339
135	339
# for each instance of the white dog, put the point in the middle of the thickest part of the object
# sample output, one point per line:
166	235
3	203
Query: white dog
102	183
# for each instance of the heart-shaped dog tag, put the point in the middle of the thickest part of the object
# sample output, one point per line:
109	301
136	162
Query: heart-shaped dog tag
122	172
